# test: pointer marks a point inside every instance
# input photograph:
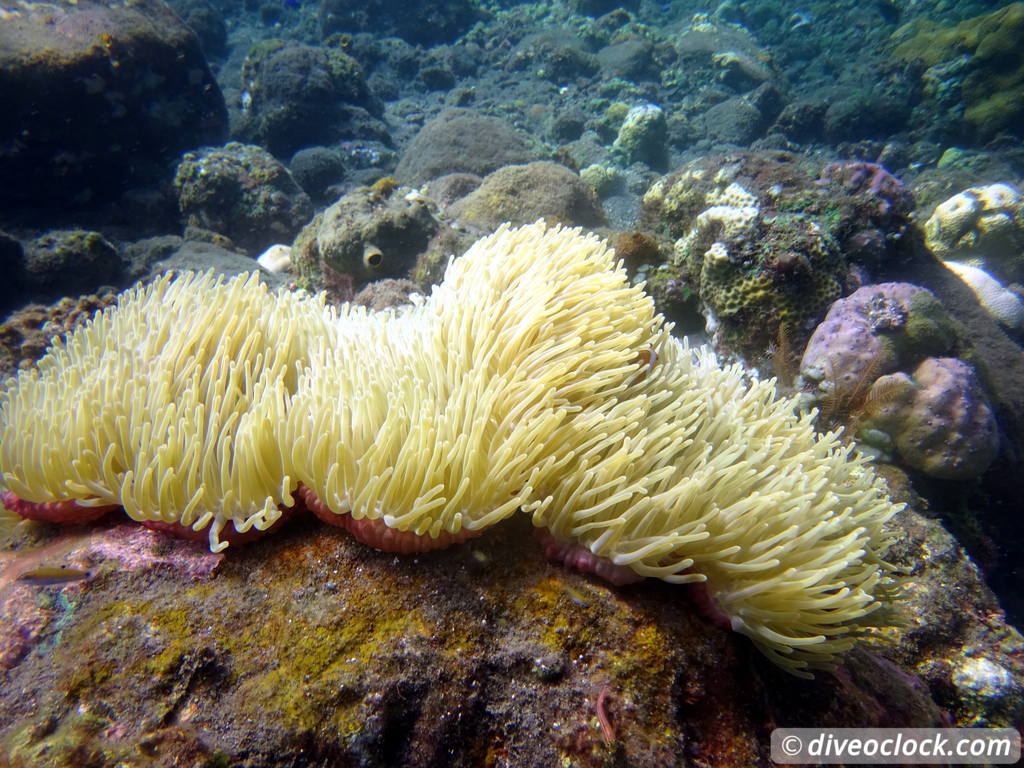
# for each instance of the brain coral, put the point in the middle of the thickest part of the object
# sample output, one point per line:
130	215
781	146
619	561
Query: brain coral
937	418
522	383
979	235
759	272
981	226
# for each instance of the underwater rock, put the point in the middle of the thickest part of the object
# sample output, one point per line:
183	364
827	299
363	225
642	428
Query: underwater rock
972	73
733	121
26	334
72	262
295	96
460	140
208	22
370	234
241	192
307	647
643	136
521	194
200	256
12	262
316	169
632	59
386	293
432	22
132	80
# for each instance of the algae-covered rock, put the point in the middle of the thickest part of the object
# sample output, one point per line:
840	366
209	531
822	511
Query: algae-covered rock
974	69
309	648
371	233
521	194
643	135
241	192
461	141
96	95
69	261
294	96
27	333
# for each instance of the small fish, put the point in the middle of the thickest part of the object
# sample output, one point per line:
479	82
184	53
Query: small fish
645	358
49	575
576	596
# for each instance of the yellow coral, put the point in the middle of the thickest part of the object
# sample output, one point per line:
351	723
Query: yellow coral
516	385
981	226
732	196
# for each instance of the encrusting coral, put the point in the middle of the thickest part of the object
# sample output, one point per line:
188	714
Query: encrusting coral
534	378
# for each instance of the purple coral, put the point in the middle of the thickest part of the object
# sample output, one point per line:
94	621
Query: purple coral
870	179
874	363
936	417
850	348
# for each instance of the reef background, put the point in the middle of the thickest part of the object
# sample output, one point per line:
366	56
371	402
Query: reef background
373	140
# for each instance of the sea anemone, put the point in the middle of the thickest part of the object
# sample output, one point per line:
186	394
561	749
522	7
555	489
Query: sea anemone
534	378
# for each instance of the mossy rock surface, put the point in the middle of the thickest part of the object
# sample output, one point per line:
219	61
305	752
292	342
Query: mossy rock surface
993	84
308	648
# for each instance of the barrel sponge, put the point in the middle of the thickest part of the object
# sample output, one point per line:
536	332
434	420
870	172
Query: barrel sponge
165	404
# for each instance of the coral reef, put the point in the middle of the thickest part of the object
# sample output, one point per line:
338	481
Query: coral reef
934	419
981	226
767	247
979	235
526	387
878	362
779	273
874	331
25	335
